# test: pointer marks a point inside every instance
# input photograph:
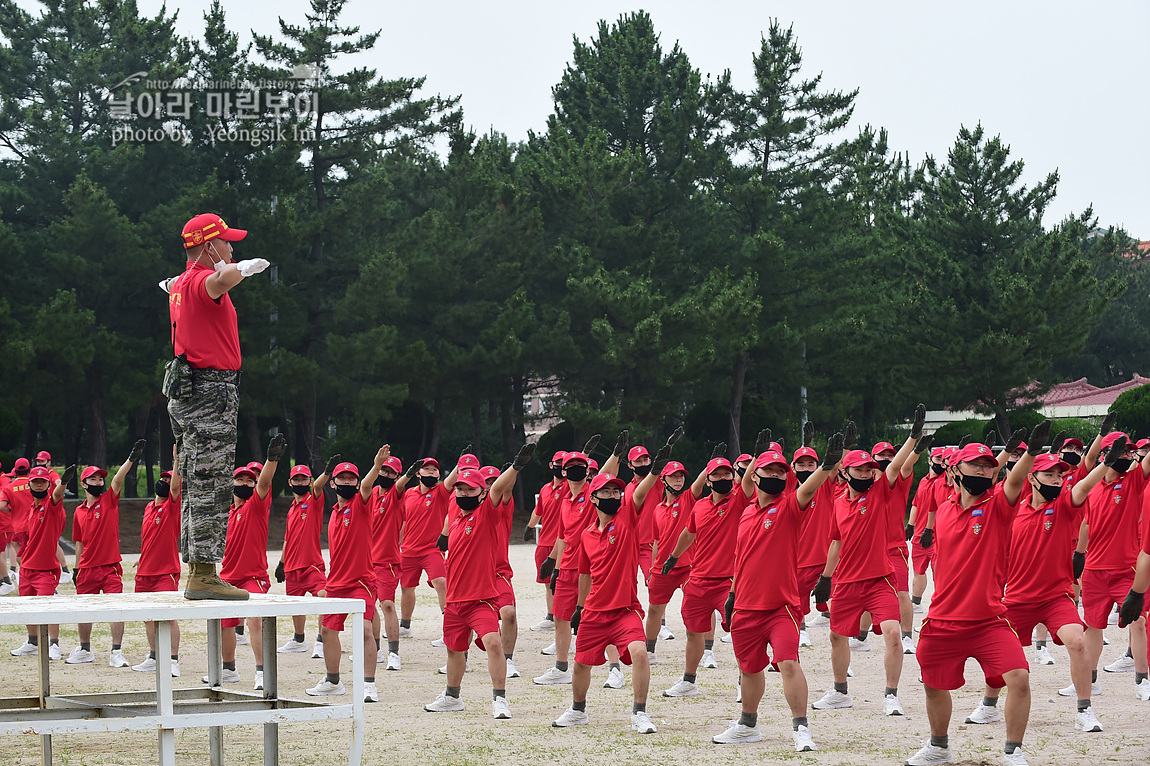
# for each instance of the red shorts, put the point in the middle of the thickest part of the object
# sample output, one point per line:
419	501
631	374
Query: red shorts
646	559
566	594
157	583
1101	590
19	539
541	553
108	578
753	630
386	581
254	585
615	627
808	579
38	582
358	590
506	595
1053	614
850	600
922	558
661	586
300	582
901	568
6	537
944	646
702	597
463	617
413	566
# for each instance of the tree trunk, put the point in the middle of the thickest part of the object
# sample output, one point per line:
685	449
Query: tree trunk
96	423
72	452
1002	423
32	431
306	420
254	442
736	422
477	435
423	431
436	427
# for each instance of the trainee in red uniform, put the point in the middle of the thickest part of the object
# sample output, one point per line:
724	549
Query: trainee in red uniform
386	525
575	513
547	506
424	513
19	499
39	569
716	528
302	534
925	503
861	525
1112	514
647	523
245	548
159	538
349	542
672	514
204	329
471	553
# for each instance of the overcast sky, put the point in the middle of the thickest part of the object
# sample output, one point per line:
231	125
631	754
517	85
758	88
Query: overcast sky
1064	83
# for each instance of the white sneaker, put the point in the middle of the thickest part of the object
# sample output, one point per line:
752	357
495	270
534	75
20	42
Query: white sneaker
466	667
1142	690
226	677
1105	640
66	577
438	643
682	688
820	621
571	717
54	652
1042	656
500	710
175	668
916	608
709	659
652	659
1070	691
259	685
1017	758
890	705
907	645
548	650
444	704
147	666
553	676
25	650
641	722
850	672
242	639
834	700
984	714
512	671
1123	664
544	624
930	755
859	646
737	733
6	588
326	688
370	694
393	662
614	679
803	741
1087	721
406	633
117	660
739	694
78	656
665	633
293	647
804	638
317	650
725	639
1113	618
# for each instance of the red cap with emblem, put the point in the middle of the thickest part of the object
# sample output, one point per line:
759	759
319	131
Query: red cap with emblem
771	458
636	453
604	479
91	471
300	470
673	467
468	461
972	452
345	468
858	458
208	226
805	452
471	477
717	463
243	470
39	472
1049	462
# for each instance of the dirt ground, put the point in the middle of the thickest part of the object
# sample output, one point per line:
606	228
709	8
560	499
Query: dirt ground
398	728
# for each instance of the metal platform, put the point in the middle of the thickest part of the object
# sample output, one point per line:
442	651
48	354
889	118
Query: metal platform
167	709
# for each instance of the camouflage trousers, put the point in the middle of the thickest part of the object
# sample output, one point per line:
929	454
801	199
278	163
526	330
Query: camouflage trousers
204	425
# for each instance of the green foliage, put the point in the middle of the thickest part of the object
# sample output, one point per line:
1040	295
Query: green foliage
950	434
1132	409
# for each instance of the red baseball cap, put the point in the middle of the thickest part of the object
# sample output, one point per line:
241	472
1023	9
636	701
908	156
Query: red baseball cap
775	447
21	464
938	452
673	467
743	457
1112	437
1142	443
208	226
345	468
300	470
558	457
948	454
394	464
1049	462
430	461
166	475
603	479
805	452
468	461
636	453
593	464
717	463
859	458
882	447
43	455
490	472
574	457
256	466
471	477
40	472
1074	440
243	470
1020	448
91	471
972	452
771	458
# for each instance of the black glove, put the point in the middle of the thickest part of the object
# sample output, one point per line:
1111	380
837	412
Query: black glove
528	534
923	444
834	453
76	577
926	539
576	616
280	576
526	452
137	450
1131	608
669	564
441	543
546	568
965	440
413	469
1114	452
822	591
622	444
1079	563
332	462
675	436
1108	423
762	442
662	457
1057	442
68	475
728	612
1015	439
919	421
782	442
503	468
591	444
1039	438
909	531
276	448
990	438
553	580
719	451
850	435
808	434
466	451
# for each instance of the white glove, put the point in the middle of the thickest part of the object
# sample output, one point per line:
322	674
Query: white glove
166	284
252	266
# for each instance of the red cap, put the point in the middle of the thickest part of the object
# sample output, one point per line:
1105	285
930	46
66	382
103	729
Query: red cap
394	464
208	226
91	471
859	458
805	452
771	458
673	467
1020	448
1112	437
40	472
21	464
593	464
717	463
743	457
574	457
882	447
468	461
636	453
972	452
166	475
490	472
300	470
938	451
603	479
256	466
1049	462
471	477
1142	443
558	457
345	468
430	461
243	470
1073	440
44	455
775	447
948	454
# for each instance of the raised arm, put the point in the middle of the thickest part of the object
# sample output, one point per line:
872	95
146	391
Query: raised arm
831	459
62	482
325	475
369	481
1015	480
177	480
118	479
501	488
611	464
276	449
662	457
898	465
1082	489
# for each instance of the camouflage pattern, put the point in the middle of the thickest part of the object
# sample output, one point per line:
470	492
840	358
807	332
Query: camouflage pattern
204	425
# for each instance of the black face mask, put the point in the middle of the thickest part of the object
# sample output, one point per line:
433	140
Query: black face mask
386	482
883	464
557	471
163	489
1072	457
577	473
1049	491
1122	465
39	494
741	471
937	468
95	490
976	485
861	485
803	475
300	489
429	481
467	503
722	486
609	505
672	491
346	491
772	485
642	471
1010	463
242	491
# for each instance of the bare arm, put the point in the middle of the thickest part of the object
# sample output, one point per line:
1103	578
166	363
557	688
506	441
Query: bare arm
832	557
641	491
369	480
177	480
449	482
118	479
683	543
1082	489
1142	573
904	452
701	481
584	588
223	280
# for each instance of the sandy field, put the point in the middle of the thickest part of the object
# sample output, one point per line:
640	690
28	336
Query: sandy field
398	729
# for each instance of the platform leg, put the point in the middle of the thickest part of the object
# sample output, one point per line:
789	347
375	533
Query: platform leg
164	704
271	691
215	671
357	661
45	692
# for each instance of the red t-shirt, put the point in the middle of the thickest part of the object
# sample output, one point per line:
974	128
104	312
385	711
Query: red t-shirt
861	526
97	526
386	525
19	499
547	509
349	540
204	329
246	546
303	532
970	545
472	539
815	536
1040	567
896	511
575	513
46	521
716	526
611	556
502	559
1112	511
160	537
424	513
6	515
672	514
646	513
766	572
925	501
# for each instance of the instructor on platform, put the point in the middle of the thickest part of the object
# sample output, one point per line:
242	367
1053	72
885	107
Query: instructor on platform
203	397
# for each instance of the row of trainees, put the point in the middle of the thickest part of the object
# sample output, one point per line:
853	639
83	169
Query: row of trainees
13	519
